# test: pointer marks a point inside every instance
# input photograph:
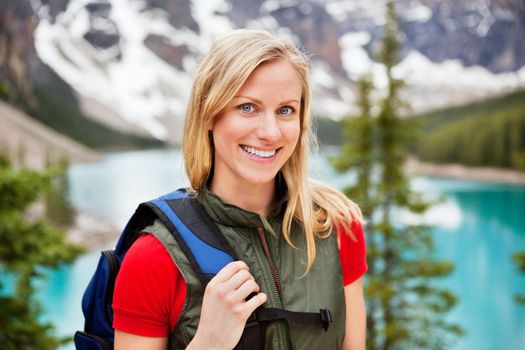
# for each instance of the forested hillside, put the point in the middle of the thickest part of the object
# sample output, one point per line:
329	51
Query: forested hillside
487	133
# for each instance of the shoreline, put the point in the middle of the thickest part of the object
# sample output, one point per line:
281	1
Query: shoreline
458	171
95	233
91	232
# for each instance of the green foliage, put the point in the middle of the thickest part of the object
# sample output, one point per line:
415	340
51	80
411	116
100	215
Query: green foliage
20	329
359	137
58	208
27	244
491	133
3	92
519	260
405	310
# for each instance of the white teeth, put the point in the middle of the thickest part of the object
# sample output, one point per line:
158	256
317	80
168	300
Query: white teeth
258	153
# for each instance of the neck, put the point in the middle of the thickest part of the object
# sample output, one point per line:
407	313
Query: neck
256	198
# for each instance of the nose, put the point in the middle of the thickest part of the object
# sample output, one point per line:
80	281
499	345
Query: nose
268	128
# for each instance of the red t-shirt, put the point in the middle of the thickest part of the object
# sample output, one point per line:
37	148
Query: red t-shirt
150	290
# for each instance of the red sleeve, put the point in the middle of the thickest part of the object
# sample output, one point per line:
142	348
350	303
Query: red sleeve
149	291
352	253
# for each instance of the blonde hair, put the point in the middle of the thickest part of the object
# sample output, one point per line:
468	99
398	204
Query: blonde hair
319	208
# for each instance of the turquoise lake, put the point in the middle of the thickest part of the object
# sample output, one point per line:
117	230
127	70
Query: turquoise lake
478	227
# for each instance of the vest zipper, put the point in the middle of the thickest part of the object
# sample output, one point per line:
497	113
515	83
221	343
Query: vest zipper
275	277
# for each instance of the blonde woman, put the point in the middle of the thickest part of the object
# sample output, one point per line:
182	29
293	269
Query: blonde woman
300	243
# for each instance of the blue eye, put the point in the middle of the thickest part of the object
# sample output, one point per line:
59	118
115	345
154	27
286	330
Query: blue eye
246	107
286	110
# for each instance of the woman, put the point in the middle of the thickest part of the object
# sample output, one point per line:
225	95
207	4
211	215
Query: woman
300	243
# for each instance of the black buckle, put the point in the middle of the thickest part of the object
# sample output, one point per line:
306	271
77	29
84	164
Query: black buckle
326	318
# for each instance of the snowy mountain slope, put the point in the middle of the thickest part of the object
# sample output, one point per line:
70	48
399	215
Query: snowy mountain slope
137	57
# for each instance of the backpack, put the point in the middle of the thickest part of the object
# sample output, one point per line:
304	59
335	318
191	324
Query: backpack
207	251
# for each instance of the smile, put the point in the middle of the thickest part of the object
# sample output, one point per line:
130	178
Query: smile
259	153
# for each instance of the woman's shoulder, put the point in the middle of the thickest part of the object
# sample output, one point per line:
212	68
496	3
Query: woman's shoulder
146	252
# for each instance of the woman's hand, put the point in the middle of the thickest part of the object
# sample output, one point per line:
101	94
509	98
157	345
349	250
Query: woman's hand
225	309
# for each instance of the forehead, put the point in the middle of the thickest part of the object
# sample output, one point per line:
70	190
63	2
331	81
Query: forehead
277	76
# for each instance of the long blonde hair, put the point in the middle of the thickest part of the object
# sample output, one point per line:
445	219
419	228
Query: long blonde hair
318	207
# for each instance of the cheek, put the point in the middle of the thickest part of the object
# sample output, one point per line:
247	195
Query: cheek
222	130
293	133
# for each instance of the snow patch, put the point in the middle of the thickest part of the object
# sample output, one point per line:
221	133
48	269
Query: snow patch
268	23
418	13
417	69
134	86
356	61
269	6
128	77
339	9
206	14
321	76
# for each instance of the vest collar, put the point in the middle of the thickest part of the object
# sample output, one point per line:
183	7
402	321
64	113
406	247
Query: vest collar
234	216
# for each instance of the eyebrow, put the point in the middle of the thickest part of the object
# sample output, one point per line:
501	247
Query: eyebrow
260	102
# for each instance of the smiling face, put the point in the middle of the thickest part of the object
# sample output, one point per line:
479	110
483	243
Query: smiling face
257	131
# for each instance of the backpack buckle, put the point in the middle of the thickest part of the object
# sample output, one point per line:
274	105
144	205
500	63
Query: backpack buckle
326	318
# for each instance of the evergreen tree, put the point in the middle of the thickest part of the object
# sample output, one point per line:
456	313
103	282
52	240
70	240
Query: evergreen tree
519	259
405	310
58	208
27	244
358	152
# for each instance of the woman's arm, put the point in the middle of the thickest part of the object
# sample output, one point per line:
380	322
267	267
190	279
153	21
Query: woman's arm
223	315
125	340
355	333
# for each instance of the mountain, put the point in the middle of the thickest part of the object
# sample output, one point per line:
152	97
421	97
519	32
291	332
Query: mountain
131	62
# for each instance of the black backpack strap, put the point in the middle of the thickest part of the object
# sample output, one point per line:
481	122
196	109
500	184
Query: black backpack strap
323	317
254	333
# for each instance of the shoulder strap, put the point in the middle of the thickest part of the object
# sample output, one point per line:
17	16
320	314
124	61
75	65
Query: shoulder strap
199	238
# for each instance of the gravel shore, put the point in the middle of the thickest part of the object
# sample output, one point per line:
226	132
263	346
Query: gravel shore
489	174
92	232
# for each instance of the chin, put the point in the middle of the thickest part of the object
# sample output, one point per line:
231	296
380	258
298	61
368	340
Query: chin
259	179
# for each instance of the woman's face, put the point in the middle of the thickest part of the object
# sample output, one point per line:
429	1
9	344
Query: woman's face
258	130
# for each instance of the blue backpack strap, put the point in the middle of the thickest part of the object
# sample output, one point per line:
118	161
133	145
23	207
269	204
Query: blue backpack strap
197	235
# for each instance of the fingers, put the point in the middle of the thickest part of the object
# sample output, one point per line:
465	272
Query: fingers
233	284
238	279
245	289
228	271
255	302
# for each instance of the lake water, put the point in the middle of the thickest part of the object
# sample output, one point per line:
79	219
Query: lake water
478	227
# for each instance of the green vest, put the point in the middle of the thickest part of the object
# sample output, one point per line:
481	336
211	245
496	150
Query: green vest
321	288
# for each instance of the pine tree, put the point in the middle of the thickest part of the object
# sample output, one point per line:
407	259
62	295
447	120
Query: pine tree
519	260
358	153
59	210
405	310
27	245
